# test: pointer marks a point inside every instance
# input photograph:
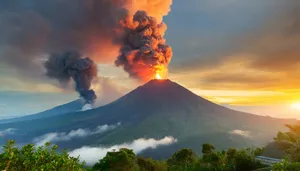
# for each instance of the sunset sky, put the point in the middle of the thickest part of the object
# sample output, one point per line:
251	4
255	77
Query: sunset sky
238	53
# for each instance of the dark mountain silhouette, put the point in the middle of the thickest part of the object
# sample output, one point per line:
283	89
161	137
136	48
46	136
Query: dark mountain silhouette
157	109
272	150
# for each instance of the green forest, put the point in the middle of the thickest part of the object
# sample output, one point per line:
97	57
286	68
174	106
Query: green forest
47	158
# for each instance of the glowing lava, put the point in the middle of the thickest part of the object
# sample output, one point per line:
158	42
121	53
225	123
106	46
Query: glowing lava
158	77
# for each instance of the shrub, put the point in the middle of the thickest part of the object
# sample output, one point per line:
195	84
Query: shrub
285	165
41	158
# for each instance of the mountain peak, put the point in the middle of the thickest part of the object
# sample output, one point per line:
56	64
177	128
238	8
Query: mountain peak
162	85
159	83
163	92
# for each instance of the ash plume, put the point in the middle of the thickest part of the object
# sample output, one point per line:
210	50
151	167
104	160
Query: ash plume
144	51
33	29
70	65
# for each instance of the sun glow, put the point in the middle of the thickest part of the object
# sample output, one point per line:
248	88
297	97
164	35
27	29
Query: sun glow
158	77
296	106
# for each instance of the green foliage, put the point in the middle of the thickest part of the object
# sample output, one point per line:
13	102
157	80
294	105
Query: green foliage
294	152
232	159
42	158
243	160
126	160
231	153
285	165
207	148
151	165
46	158
290	142
258	151
122	160
182	160
146	164
216	161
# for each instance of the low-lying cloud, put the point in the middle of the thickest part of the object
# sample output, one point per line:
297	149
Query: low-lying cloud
7	131
92	154
79	133
246	134
87	107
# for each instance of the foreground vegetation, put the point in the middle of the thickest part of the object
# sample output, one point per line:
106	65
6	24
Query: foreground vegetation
290	142
182	160
29	158
46	158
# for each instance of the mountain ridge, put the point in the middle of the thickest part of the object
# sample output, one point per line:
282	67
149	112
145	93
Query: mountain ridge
57	110
157	109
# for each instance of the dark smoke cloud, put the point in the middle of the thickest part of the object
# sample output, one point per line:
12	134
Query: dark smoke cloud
69	65
144	52
32	29
275	47
265	58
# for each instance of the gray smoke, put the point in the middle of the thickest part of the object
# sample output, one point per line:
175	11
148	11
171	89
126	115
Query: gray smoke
70	65
144	51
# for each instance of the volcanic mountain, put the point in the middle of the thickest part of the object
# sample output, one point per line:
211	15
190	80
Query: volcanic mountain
157	109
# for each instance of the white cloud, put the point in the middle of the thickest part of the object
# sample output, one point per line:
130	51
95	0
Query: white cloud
246	134
7	131
62	136
92	154
87	107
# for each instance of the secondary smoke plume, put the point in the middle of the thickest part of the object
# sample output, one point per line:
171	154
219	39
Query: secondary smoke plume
30	30
69	65
144	51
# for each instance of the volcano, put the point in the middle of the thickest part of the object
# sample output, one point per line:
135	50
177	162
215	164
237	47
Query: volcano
157	109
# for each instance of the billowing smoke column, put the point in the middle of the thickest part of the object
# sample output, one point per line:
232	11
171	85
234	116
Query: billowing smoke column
144	51
70	65
31	29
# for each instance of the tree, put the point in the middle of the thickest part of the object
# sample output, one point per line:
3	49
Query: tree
215	160
209	156
294	151
243	160
231	153
286	165
207	148
258	151
42	158
122	160
146	164
182	160
290	142
151	165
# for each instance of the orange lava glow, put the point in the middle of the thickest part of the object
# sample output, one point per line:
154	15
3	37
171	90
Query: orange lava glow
158	77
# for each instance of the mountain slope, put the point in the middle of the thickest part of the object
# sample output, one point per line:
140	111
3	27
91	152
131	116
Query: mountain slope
62	109
157	109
